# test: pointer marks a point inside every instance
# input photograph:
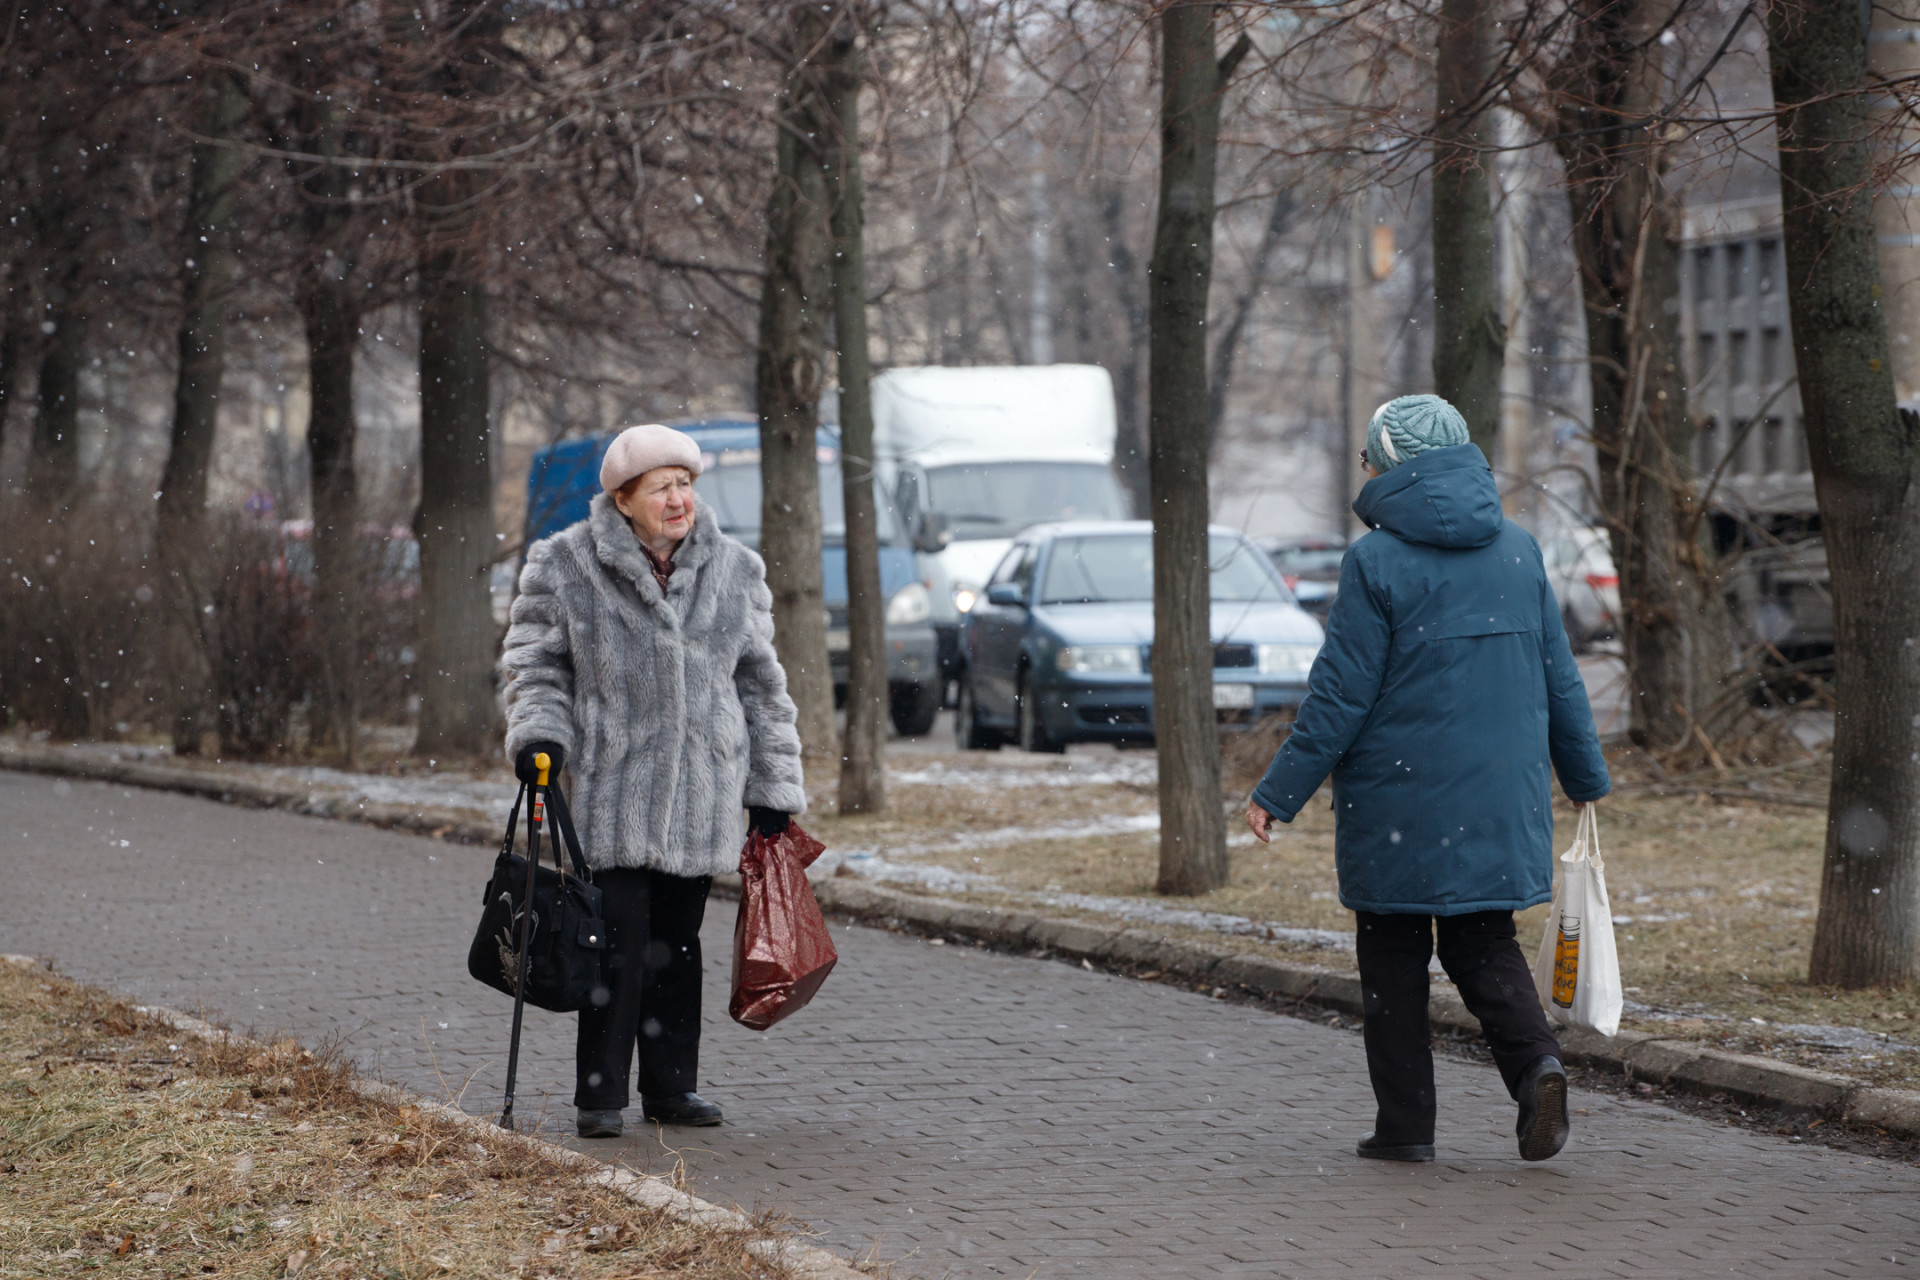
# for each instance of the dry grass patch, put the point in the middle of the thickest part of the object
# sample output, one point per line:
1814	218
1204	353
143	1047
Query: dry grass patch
128	1149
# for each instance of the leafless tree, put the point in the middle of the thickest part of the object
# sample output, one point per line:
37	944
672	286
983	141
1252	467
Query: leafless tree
1865	452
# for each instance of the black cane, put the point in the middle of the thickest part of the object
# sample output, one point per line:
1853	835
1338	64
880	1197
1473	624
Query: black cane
536	812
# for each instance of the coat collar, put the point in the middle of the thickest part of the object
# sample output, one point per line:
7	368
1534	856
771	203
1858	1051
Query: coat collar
616	546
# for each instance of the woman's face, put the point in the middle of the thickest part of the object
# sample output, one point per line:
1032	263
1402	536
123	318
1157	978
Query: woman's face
660	506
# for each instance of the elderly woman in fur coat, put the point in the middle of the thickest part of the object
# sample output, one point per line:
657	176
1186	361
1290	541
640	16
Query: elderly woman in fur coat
640	656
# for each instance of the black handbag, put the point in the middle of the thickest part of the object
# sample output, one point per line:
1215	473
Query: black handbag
552	956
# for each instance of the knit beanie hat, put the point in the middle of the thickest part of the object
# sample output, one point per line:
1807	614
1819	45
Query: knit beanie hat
638	450
1409	426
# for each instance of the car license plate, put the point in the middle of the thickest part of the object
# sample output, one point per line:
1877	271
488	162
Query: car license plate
1233	697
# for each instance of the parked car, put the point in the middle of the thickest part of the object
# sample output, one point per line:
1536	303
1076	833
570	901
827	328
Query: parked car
1580	567
1311	570
1057	648
565	476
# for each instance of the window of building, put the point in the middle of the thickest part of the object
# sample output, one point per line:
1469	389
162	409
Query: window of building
1769	265
1736	271
1706	445
1737	371
1703	274
1773	446
1738	443
1770	340
1709	352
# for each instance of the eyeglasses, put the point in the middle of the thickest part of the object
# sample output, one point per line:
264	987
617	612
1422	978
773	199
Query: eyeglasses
1364	460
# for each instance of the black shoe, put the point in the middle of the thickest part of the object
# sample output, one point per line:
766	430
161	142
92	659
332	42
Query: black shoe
1406	1153
1543	1125
680	1108
599	1124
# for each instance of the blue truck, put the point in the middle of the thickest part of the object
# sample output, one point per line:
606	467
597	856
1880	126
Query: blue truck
565	476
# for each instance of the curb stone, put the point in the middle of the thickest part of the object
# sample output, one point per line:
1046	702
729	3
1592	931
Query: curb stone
808	1262
454	825
1659	1060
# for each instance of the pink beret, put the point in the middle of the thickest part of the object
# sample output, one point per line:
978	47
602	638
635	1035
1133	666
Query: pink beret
638	450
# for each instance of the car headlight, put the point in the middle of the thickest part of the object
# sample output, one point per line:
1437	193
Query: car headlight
1287	659
964	598
910	604
1100	659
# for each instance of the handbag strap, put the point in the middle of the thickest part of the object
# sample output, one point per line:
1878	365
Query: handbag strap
513	820
560	820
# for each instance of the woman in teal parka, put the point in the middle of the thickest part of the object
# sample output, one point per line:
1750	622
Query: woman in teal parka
1445	692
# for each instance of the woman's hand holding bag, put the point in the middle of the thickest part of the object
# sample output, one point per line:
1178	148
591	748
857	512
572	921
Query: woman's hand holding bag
1577	969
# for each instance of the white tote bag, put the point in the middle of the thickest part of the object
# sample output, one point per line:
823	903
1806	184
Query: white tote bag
1577	969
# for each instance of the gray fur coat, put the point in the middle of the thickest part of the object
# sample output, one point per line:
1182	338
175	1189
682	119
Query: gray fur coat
673	710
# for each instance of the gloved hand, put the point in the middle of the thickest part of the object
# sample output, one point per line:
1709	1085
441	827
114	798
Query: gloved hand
768	822
529	773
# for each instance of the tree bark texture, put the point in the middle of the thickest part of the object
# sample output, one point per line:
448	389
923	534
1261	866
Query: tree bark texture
1193	849
863	781
1675	628
209	261
458	710
1865	454
1130	450
180	540
789	370
1469	334
53	462
330	312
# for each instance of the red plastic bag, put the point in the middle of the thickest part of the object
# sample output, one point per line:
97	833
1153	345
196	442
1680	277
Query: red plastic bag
781	950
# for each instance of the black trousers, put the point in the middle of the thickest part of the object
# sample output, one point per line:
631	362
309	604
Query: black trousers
1479	953
653	960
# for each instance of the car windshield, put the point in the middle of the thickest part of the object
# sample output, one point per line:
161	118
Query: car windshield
732	489
1309	562
1111	567
999	499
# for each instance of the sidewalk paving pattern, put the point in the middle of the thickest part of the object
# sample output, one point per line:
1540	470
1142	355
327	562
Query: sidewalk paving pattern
972	1114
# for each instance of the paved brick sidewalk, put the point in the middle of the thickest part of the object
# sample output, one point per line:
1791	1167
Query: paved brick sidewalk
974	1114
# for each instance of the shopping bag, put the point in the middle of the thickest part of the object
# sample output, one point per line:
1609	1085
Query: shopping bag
1577	969
781	949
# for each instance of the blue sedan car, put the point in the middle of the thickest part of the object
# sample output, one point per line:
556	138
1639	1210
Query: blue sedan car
1057	647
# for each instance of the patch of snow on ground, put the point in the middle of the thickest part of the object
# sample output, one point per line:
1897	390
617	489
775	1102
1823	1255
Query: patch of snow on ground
1114	771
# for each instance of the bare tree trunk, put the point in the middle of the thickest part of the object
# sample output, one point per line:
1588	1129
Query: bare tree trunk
1130	449
53	463
332	328
180	536
1865	453
1193	849
1675	628
788	373
863	774
1469	335
458	710
1226	348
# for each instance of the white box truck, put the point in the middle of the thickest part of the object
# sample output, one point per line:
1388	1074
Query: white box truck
972	456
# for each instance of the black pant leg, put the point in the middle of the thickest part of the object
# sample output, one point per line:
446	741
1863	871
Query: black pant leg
1393	951
603	1049
670	983
1480	954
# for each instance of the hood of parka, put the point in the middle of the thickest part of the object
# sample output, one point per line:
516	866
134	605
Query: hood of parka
1442	498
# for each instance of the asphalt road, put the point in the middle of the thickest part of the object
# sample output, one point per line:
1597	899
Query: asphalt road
969	1114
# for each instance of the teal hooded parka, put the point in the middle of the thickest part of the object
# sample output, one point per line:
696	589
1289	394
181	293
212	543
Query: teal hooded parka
1444	692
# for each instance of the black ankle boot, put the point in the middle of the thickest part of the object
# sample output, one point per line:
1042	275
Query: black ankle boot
680	1108
1543	1124
1406	1152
